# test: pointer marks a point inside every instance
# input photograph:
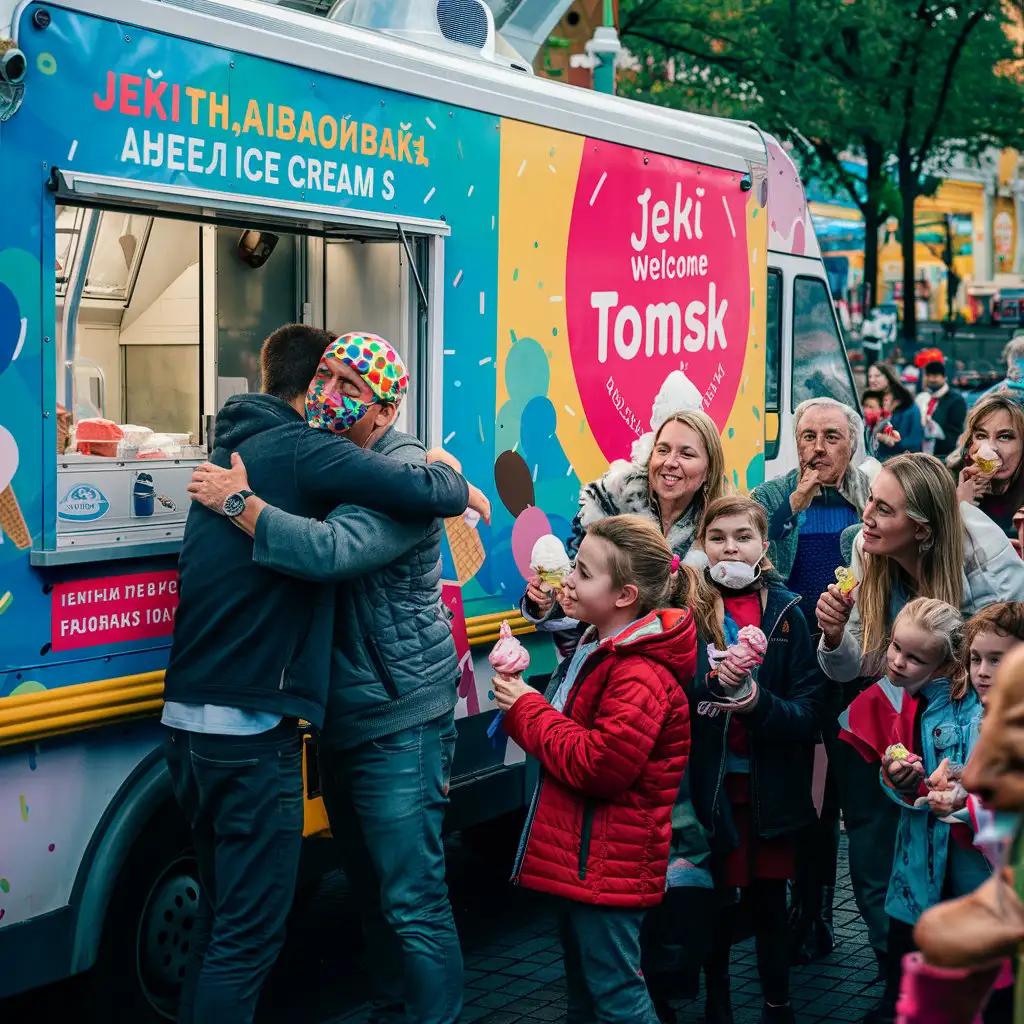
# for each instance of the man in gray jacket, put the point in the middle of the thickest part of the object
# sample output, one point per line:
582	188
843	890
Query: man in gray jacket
389	735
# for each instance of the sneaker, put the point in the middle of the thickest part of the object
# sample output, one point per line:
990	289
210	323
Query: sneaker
777	1014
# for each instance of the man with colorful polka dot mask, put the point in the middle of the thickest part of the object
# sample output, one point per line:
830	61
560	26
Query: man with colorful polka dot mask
388	737
358	387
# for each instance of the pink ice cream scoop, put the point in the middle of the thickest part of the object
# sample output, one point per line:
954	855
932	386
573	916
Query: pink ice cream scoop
746	654
509	657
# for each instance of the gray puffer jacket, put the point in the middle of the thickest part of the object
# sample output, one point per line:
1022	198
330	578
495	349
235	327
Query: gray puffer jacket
393	664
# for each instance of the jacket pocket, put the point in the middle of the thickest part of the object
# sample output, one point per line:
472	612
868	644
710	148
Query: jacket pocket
586	829
383	673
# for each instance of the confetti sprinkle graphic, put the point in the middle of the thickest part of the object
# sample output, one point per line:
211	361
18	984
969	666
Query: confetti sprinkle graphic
728	213
23	807
597	188
426	198
448	439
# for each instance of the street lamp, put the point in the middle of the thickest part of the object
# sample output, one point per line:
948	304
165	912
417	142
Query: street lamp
603	50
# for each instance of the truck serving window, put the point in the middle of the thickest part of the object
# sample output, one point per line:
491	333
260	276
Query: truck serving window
819	358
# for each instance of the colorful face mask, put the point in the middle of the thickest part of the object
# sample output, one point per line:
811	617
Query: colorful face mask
379	365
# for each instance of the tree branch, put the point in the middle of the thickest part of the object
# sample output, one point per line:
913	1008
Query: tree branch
924	149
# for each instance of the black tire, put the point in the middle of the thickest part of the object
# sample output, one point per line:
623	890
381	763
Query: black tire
147	928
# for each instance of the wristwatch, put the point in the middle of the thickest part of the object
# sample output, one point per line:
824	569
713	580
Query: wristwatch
234	504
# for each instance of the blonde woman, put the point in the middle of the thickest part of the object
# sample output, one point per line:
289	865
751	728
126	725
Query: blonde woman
996	421
675	472
917	541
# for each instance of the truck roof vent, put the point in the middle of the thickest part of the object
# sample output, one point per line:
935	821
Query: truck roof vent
460	26
466	21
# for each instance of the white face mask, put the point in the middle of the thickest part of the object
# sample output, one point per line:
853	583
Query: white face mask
735	575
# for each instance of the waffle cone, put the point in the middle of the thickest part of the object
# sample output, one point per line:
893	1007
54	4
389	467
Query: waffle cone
466	546
12	522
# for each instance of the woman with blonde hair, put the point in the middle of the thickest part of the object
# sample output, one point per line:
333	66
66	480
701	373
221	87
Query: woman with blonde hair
996	422
674	472
917	540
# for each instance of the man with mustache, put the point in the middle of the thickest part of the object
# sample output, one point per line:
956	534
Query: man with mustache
808	510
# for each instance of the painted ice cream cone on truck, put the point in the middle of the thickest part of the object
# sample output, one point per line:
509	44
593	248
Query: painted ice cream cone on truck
466	546
12	522
550	562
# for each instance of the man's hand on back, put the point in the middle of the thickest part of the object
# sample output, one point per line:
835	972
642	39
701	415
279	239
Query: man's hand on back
440	455
211	485
478	501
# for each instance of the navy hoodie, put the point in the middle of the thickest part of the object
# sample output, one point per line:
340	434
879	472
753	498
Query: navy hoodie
251	638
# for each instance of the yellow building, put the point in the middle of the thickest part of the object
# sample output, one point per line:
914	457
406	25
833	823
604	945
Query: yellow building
985	201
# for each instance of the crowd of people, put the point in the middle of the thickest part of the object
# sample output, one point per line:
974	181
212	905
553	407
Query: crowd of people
735	676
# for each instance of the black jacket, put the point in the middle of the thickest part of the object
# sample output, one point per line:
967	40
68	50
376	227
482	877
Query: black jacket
950	414
782	728
246	636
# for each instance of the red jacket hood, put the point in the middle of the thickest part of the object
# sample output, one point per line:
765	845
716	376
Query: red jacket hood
668	637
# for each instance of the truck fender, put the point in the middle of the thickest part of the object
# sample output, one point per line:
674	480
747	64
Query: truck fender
138	800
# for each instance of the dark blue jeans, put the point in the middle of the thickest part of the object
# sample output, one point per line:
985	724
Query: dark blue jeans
601	947
242	797
386	802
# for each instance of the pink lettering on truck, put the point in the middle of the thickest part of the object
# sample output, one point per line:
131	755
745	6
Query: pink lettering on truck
114	609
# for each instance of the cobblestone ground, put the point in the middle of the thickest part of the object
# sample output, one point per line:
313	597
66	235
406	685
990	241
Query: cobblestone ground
514	971
513	962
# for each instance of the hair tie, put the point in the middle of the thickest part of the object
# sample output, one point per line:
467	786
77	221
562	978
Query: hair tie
675	565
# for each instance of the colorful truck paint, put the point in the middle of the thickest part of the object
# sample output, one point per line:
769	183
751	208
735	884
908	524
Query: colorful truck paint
578	274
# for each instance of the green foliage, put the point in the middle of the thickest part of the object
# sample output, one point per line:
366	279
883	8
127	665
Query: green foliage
905	84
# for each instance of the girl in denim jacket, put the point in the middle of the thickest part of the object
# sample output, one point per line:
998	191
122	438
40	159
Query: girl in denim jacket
934	725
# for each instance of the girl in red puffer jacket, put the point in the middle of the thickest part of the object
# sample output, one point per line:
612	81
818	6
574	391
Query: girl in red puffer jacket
612	745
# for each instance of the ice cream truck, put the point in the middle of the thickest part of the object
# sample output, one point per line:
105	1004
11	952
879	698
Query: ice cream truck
180	178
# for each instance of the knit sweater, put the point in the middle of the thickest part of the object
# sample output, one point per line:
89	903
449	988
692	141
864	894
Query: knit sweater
817	550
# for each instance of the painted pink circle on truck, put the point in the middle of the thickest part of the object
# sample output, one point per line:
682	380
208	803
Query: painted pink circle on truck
657	279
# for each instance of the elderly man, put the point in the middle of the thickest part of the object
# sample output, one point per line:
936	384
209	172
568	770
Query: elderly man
808	510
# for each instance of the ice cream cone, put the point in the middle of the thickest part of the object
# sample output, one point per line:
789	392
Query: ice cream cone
845	580
552	580
12	522
466	546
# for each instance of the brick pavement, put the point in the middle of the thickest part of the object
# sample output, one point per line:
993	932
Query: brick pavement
514	972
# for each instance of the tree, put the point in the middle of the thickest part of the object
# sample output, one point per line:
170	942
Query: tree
904	84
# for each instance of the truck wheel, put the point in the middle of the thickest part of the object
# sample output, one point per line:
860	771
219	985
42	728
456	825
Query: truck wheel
148	928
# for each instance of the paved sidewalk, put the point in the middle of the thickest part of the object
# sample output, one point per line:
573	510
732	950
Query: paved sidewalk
514	971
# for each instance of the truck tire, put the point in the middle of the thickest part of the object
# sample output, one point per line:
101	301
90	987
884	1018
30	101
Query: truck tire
148	926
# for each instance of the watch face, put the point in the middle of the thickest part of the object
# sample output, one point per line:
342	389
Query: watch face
234	505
